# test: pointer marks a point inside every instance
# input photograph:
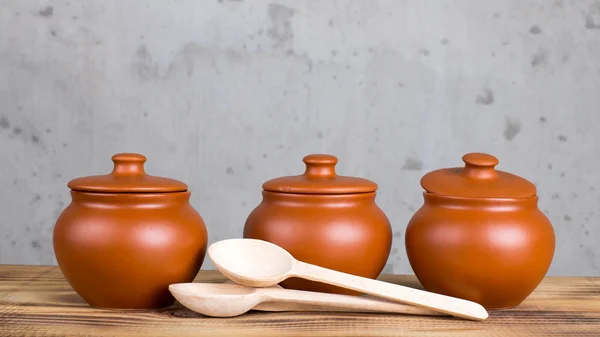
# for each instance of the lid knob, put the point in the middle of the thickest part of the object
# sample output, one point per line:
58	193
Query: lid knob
320	165
480	166
128	164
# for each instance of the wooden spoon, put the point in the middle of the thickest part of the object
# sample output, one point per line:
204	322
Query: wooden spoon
228	300
257	263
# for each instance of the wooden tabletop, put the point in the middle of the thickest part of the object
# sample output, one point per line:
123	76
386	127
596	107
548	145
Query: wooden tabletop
38	301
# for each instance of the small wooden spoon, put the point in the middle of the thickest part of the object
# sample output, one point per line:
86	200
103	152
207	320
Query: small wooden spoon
290	306
228	300
257	263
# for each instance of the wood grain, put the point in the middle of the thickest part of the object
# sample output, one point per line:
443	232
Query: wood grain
37	301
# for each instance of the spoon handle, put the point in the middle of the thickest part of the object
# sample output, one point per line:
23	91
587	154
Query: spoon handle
419	298
282	298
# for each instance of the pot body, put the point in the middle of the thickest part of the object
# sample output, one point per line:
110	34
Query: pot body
491	251
123	250
347	233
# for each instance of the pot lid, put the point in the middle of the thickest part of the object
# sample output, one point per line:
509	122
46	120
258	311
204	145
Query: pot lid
320	178
128	176
477	179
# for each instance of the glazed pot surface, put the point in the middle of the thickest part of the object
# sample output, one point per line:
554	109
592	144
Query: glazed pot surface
123	250
347	233
491	251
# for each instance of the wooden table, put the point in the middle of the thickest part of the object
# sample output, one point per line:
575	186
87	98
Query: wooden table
37	301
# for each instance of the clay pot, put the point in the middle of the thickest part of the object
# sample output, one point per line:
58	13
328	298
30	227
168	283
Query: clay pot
480	235
127	235
324	219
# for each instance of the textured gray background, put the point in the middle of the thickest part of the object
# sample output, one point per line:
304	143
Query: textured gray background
224	95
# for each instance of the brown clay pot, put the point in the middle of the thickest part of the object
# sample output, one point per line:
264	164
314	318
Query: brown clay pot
480	235
324	219
127	235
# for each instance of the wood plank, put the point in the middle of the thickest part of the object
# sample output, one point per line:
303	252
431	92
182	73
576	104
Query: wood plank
38	301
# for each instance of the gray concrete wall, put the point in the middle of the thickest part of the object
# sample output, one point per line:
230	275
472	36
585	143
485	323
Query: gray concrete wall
227	94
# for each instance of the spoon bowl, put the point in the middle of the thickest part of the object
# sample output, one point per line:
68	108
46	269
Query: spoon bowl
250	262
215	300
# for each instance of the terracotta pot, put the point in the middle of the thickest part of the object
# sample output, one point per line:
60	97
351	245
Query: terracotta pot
324	219
480	235
127	235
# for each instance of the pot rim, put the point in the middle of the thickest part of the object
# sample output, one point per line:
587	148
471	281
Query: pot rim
321	194
459	198
116	194
145	200
83	191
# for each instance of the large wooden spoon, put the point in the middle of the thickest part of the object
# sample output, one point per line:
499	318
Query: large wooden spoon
257	263
228	300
